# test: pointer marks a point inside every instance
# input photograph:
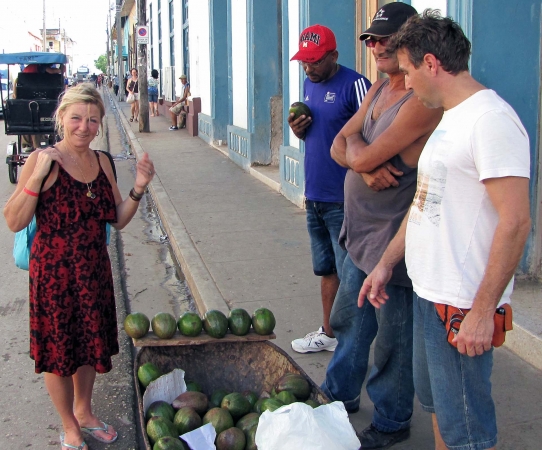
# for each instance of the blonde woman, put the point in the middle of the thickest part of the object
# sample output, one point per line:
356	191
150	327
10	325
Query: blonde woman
132	86
71	190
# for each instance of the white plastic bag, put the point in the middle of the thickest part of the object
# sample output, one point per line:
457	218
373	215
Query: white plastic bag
166	388
298	426
201	438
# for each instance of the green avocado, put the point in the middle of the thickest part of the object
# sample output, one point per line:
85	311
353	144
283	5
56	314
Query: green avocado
300	109
237	405
239	321
215	323
294	383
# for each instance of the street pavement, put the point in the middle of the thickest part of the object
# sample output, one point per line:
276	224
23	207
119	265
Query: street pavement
240	243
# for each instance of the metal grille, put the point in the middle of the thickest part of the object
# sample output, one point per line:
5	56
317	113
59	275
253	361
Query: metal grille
169	83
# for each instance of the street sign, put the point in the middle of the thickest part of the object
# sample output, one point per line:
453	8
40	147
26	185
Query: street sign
142	35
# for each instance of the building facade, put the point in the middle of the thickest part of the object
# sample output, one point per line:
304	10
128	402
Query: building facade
236	54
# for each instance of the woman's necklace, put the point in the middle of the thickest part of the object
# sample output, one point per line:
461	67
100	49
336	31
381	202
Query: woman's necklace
90	194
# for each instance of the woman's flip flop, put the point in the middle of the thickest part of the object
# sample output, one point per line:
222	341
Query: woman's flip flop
63	444
91	431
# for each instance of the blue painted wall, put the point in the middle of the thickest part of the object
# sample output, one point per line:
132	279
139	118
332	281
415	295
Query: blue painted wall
218	28
264	69
253	145
506	43
340	17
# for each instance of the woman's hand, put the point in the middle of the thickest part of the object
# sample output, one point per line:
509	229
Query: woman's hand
44	161
21	206
127	208
144	173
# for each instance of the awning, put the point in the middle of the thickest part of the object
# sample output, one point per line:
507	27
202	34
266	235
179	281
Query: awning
33	58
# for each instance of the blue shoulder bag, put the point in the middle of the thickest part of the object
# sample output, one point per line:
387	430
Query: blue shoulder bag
23	243
25	237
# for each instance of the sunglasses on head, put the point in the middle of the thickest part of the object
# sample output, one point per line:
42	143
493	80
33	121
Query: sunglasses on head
371	41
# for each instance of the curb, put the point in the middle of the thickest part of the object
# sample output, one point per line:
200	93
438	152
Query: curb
202	286
521	341
525	344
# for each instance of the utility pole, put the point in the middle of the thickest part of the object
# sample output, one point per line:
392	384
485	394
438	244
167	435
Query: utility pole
142	71
109	45
44	33
120	73
108	71
60	38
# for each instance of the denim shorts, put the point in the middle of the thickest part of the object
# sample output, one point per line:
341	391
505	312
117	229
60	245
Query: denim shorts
153	98
456	387
324	222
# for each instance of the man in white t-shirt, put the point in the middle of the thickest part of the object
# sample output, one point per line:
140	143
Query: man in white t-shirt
464	234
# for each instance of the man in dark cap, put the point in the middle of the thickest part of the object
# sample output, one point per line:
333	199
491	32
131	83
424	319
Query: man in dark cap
333	93
384	139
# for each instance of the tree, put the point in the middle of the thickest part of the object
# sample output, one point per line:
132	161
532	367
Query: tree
101	63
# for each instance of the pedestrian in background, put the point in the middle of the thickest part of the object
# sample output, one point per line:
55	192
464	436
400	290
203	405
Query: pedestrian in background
464	235
116	85
333	93
132	86
72	192
152	83
126	78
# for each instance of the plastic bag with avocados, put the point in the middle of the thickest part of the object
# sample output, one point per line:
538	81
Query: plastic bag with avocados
298	425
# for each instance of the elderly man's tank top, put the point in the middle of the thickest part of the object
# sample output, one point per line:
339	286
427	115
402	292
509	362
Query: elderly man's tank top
371	218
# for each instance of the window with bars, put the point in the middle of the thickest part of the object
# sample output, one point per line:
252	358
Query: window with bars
160	64
169	83
159	22
171	34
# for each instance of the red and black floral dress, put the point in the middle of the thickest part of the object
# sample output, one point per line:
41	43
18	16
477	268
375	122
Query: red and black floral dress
73	319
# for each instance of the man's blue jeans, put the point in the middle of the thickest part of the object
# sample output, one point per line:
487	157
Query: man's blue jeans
390	385
456	387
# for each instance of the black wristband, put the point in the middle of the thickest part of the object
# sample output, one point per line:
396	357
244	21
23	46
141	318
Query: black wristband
135	196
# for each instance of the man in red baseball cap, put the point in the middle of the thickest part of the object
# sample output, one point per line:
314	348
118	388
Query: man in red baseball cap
314	43
333	93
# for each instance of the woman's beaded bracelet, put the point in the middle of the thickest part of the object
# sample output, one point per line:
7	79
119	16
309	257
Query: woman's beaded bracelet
135	196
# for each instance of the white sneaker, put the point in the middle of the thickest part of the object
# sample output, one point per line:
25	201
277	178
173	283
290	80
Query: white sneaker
315	342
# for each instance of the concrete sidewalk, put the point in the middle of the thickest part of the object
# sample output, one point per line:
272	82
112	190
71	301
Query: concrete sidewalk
240	243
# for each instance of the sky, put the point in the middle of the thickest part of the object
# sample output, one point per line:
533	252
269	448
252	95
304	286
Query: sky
84	22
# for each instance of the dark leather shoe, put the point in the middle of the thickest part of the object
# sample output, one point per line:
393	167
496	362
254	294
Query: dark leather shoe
372	438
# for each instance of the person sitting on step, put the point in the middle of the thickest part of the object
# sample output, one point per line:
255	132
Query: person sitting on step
180	108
